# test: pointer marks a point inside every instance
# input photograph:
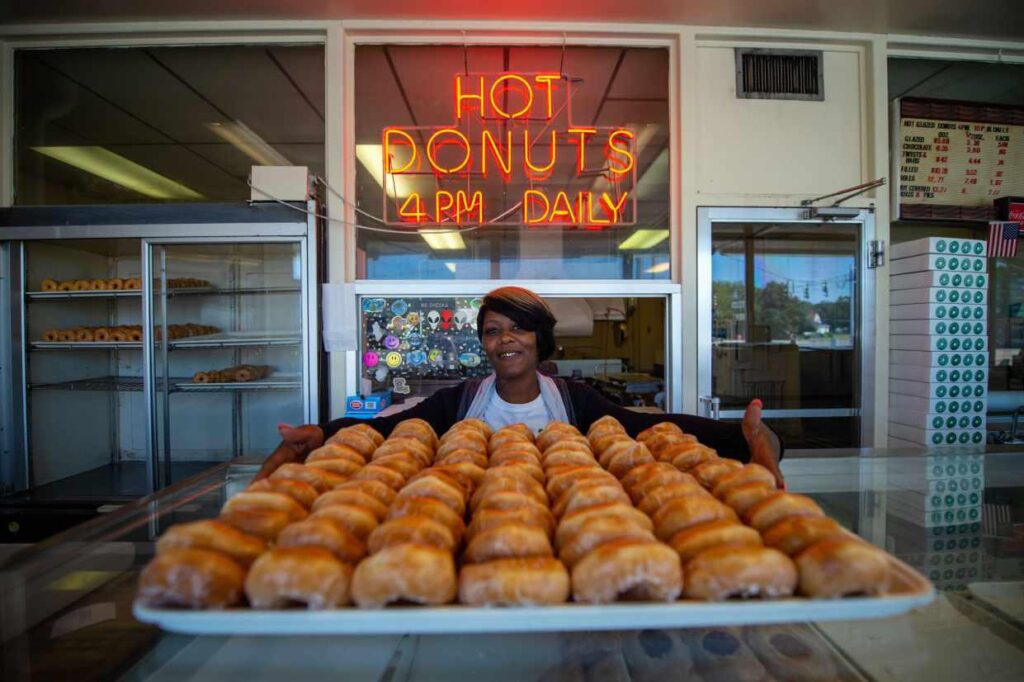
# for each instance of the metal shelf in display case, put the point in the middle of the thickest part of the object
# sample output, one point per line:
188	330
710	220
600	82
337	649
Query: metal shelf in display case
237	339
64	295
86	345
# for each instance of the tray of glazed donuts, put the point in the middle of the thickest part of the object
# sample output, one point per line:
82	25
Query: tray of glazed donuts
501	531
231	375
86	285
131	333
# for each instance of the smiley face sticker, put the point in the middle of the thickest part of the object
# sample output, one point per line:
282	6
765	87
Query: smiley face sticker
393	359
370	359
391	342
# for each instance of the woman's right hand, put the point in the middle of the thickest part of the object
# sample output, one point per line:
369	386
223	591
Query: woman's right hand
296	443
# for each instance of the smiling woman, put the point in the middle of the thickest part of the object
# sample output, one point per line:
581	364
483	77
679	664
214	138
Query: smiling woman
516	329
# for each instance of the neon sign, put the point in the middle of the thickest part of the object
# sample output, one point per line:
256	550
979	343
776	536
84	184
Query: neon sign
517	127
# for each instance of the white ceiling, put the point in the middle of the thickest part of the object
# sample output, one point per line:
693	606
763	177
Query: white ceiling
976	19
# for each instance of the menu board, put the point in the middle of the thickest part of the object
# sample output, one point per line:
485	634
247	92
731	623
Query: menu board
957	159
406	340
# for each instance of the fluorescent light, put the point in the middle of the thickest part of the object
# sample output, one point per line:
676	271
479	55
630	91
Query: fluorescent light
371	156
245	140
120	171
643	239
443	240
451	267
655	269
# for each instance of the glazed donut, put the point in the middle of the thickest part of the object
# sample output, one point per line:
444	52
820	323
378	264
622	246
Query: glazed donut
216	536
115	284
339	467
644	472
416	428
773	509
689	510
408	447
335	451
560	481
450	477
746	571
300	472
568	445
51	335
473	423
556	431
430	508
464	455
602	442
418	530
517	446
435	487
375	489
468	474
622	463
604	422
517	484
648	571
258	501
485	519
505	436
567	458
524	465
357	440
598	531
98	285
375	472
659	443
262	524
748	473
616	448
324	533
81	285
370	432
514	582
570	524
657	497
508	500
691	541
191	578
307	575
743	497
352	496
66	285
685	456
303	493
407	572
508	455
664	478
513	540
660	427
49	285
708	472
839	567
794	534
404	464
792	653
468	439
356	519
589	495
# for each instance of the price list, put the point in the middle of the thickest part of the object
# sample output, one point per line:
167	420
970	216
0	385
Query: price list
958	163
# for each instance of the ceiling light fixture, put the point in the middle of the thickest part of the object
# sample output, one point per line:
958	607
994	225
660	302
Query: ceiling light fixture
117	169
655	269
371	156
245	140
443	240
643	239
451	267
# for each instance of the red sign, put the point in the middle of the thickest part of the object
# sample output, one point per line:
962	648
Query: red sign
517	127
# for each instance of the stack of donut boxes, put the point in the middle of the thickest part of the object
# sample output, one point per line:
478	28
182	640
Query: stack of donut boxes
938	398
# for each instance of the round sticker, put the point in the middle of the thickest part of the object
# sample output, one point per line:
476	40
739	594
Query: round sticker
469	359
373	305
391	342
415	340
398	324
371	359
400	307
393	359
416	358
413	319
435	356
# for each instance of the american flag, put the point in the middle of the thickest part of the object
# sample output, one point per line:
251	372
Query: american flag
1002	239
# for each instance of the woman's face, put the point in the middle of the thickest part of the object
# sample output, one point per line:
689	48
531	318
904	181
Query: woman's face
511	349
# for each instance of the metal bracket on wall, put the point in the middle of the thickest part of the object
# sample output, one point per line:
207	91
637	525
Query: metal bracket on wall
876	253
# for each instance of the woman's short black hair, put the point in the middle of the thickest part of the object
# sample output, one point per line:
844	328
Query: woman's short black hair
526	309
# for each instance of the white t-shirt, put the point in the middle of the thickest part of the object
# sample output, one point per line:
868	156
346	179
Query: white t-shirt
534	414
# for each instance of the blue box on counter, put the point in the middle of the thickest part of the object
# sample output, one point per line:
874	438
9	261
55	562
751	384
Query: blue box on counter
366	406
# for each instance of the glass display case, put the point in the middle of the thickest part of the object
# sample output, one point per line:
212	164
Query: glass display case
66	603
98	408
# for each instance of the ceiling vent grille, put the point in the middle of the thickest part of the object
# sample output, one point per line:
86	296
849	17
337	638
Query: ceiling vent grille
779	74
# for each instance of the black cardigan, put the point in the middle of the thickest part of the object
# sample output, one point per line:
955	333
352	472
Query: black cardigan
441	410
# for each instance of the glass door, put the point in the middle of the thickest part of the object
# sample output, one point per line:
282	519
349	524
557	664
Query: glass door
229	350
782	319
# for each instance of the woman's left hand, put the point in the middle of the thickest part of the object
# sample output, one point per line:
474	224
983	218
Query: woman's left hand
763	443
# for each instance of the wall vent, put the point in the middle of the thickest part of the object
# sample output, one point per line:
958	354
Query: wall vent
779	74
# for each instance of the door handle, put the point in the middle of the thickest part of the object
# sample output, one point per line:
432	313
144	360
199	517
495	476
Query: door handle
711	406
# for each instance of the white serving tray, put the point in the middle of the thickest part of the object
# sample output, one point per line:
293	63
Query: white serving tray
909	590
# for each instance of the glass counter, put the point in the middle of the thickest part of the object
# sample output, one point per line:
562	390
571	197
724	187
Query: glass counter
958	518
